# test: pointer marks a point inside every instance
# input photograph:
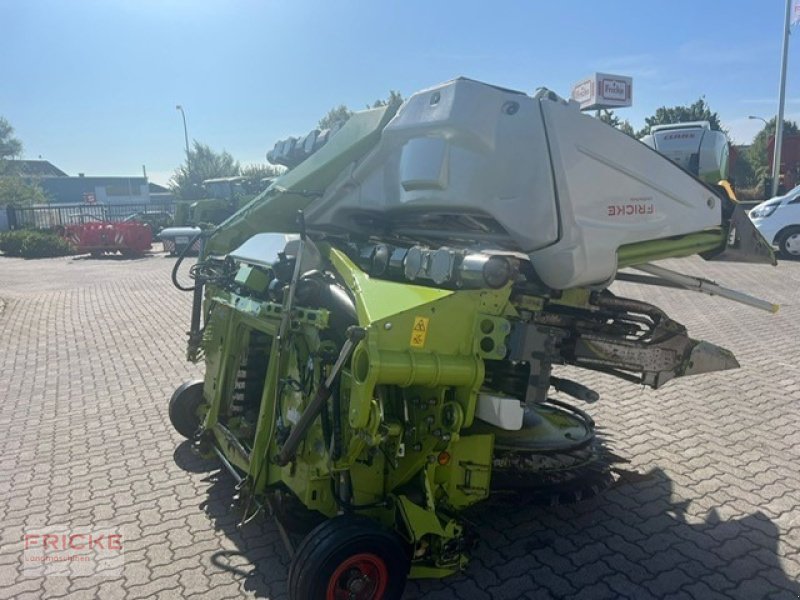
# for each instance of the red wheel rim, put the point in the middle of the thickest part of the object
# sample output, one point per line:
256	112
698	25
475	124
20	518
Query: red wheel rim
360	577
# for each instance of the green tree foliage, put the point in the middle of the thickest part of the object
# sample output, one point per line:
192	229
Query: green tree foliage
261	171
201	164
336	114
258	179
10	146
608	117
18	192
743	174
758	154
698	111
13	188
395	98
342	113
34	244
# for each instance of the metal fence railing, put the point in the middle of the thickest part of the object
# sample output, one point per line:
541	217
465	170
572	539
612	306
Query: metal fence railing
56	215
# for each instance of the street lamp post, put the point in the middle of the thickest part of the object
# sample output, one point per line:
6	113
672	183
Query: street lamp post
776	153
185	132
759	119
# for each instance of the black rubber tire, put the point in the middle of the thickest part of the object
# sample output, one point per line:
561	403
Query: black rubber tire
337	540
784	237
184	408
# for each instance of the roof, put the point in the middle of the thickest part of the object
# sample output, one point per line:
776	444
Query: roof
233	179
35	168
156	188
684	125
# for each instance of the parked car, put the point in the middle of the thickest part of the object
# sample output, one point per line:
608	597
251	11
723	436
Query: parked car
157	219
778	220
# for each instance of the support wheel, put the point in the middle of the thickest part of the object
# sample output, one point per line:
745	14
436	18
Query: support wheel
349	557
184	408
789	243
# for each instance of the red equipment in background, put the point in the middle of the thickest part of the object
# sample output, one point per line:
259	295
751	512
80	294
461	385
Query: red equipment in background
790	161
129	238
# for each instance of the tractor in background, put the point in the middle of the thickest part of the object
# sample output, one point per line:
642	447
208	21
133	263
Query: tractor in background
225	196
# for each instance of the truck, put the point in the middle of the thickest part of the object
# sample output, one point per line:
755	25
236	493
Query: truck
705	153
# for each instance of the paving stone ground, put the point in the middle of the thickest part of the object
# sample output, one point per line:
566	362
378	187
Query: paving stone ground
708	504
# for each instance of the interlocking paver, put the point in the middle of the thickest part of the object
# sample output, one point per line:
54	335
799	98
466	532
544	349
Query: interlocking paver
707	506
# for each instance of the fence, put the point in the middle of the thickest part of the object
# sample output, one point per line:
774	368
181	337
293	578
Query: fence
56	215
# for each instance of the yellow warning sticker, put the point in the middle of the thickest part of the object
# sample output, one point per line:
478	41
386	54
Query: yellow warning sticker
419	332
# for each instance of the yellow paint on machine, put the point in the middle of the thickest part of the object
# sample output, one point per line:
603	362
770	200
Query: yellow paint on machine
419	332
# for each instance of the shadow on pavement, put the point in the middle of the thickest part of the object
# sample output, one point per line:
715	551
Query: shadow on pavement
189	461
260	560
634	541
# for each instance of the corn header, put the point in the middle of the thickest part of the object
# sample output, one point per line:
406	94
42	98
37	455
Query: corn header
382	328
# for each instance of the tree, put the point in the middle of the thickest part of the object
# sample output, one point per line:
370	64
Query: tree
341	113
698	111
10	146
13	188
18	192
259	171
201	164
608	117
395	98
335	115
743	174
758	152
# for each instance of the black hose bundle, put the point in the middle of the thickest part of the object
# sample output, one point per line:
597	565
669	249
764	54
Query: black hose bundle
178	262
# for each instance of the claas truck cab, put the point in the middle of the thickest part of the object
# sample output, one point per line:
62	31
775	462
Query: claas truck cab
696	148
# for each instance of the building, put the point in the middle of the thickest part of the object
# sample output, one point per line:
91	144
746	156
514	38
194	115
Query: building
73	199
35	168
96	190
65	189
160	194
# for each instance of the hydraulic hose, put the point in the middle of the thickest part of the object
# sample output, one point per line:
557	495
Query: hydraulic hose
195	332
315	406
178	262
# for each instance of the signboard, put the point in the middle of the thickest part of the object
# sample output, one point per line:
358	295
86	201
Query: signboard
603	90
89	198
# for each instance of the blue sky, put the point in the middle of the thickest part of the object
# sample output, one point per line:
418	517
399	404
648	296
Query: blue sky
92	85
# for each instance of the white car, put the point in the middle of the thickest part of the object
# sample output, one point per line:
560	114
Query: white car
778	220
